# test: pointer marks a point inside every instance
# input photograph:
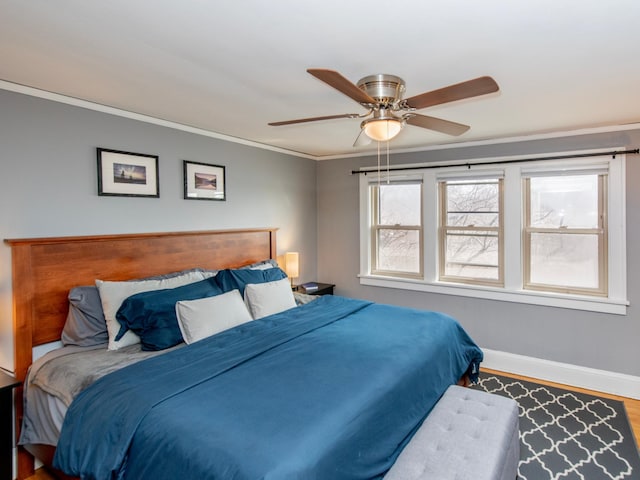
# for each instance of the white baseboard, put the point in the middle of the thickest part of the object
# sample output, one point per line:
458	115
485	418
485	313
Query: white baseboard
583	377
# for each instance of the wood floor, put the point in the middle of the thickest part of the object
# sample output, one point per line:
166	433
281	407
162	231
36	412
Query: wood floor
632	407
41	474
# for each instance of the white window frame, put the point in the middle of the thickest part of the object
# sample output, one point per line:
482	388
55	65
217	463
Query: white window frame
375	227
444	228
615	302
600	231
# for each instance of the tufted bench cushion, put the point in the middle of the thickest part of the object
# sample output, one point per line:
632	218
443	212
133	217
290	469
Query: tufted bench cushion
469	435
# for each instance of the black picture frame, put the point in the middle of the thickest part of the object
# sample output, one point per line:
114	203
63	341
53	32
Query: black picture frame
204	181
127	174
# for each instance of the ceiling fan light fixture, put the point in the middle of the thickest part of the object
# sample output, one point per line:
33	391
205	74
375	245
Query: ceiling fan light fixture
382	129
382	96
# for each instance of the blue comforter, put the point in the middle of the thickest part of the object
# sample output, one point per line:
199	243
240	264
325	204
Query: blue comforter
330	390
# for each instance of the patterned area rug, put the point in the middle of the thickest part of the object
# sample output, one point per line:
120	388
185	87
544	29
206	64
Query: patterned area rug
566	435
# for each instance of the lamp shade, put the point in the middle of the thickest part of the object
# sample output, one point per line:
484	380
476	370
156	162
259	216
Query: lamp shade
291	264
382	130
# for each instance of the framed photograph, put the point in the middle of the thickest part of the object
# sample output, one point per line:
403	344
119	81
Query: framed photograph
203	181
126	174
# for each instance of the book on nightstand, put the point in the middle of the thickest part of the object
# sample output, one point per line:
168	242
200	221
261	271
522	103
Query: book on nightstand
309	286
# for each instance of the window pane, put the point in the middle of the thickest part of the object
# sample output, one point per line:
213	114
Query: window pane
399	250
399	204
472	254
479	219
564	260
473	203
564	201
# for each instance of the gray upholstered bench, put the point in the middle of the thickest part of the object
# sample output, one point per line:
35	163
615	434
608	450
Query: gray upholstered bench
469	435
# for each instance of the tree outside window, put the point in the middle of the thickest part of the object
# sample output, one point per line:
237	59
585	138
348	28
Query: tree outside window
397	228
471	231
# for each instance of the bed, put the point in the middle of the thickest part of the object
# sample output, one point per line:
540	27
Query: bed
286	396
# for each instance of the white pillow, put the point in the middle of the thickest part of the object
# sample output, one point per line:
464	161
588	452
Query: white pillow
204	317
112	294
267	298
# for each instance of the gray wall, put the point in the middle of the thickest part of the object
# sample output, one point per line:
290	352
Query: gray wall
601	341
48	185
48	188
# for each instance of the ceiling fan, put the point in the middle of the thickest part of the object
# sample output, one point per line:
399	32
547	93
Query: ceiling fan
382	94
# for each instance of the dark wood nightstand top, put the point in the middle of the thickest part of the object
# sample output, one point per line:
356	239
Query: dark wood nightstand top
7	381
323	289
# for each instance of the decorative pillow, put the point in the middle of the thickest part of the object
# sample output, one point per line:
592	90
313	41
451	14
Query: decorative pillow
85	325
152	315
237	279
264	299
112	294
202	318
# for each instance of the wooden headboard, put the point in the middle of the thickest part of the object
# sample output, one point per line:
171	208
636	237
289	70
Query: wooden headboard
45	269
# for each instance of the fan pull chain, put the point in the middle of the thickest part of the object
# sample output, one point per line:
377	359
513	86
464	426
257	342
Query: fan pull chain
388	180
378	164
388	168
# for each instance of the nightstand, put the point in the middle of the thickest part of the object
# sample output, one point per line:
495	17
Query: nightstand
323	289
7	384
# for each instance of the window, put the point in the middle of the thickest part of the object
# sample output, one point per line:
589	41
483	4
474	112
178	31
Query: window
396	228
565	234
547	232
470	240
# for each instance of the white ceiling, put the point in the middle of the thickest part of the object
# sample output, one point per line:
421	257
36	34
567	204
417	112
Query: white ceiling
231	67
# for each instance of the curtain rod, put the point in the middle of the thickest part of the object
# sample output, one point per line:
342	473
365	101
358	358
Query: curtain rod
499	162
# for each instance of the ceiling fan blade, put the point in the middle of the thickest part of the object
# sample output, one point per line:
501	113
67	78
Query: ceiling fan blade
437	124
313	119
342	84
362	139
459	91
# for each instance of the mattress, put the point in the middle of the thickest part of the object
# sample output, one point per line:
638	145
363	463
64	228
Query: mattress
343	385
333	389
56	378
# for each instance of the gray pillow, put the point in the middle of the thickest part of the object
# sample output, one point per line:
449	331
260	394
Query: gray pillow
85	325
174	274
262	265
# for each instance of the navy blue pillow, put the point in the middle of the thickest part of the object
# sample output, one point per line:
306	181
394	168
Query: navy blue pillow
237	279
152	315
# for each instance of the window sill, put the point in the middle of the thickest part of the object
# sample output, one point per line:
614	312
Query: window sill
575	302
